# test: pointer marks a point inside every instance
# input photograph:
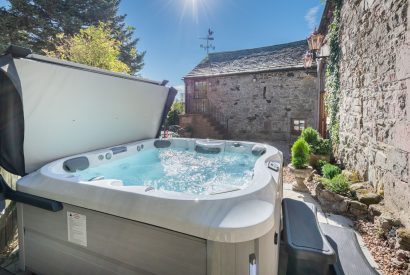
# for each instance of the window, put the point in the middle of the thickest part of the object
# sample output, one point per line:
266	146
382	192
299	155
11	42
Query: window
200	89
298	125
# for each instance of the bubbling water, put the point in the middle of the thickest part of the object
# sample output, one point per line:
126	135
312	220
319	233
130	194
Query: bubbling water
179	170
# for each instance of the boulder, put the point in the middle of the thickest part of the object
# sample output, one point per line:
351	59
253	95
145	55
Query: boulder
352	176
376	209
386	220
403	255
403	238
331	201
357	209
397	263
359	185
367	197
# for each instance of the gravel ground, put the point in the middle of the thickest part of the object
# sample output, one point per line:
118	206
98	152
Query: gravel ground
287	177
383	253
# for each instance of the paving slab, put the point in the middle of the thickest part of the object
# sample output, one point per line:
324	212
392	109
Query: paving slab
339	220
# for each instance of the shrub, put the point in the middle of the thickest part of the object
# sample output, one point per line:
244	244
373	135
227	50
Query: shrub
319	164
300	153
323	147
338	184
177	108
329	171
311	136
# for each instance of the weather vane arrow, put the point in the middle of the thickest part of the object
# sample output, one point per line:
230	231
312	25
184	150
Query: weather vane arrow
208	39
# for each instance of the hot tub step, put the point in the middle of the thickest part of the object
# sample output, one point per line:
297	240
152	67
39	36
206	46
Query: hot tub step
306	248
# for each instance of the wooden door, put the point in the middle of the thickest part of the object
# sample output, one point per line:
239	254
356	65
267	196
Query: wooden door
322	115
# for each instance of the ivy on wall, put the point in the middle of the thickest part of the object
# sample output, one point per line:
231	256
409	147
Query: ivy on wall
332	74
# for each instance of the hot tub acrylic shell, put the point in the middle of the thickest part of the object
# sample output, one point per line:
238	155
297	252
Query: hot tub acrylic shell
139	230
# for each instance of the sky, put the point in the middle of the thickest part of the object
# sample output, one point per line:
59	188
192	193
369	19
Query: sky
169	30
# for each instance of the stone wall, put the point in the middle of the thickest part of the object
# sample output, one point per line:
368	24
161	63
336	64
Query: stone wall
375	94
260	106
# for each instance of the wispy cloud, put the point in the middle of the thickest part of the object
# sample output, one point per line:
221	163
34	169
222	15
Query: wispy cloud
311	17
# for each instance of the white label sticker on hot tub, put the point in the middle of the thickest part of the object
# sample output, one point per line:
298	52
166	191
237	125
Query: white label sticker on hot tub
77	228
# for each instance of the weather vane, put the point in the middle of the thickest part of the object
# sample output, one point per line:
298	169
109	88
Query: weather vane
208	39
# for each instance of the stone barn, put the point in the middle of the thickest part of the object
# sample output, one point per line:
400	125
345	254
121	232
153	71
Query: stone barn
262	94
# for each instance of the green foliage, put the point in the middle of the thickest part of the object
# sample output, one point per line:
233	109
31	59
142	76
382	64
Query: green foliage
323	147
177	108
339	184
319	164
92	46
300	153
36	24
310	135
329	171
317	145
332	74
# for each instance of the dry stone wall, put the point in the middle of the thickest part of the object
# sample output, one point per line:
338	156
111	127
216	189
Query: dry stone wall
375	94
260	106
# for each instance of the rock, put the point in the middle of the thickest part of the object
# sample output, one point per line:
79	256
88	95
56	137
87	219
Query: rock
376	209
331	201
403	238
386	221
352	176
357	209
328	195
397	263
367	197
359	185
403	255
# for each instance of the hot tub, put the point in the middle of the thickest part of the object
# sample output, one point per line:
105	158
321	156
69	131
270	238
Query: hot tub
158	206
142	205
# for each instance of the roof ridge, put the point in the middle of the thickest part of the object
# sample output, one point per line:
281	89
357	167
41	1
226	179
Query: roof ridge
263	47
285	55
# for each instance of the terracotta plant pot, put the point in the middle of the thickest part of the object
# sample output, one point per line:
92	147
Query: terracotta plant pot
300	176
315	158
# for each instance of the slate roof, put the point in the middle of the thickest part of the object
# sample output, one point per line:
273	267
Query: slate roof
277	57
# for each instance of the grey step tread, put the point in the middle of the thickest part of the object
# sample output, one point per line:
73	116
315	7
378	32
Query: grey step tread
301	229
350	257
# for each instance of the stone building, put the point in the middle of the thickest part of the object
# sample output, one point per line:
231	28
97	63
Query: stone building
254	94
374	106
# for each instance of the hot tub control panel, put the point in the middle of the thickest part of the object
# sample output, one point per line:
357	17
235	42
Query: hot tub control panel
273	165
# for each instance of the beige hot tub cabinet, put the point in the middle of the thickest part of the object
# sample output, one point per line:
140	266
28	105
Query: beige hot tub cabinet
62	117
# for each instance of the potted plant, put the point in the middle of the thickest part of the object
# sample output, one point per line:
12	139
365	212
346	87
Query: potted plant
298	166
320	149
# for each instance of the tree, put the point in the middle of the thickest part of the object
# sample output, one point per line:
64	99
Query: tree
92	46
36	24
177	108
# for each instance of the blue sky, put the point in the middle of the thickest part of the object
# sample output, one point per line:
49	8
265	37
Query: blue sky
169	30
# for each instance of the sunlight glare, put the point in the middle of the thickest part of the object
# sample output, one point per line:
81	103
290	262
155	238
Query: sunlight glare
195	7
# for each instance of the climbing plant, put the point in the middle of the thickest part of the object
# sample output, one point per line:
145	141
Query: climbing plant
332	74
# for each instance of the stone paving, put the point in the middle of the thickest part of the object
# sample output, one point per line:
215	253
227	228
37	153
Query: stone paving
328	218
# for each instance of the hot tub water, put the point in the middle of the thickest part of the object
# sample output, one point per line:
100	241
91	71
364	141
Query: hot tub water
179	170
